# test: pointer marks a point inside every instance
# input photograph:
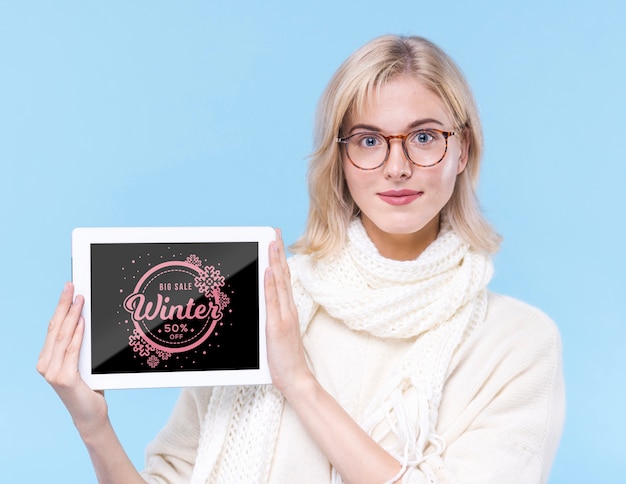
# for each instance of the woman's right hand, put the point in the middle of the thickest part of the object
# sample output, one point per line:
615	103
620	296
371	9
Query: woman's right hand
58	364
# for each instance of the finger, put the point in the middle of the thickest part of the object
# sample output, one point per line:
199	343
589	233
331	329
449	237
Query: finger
286	271
73	348
271	298
282	253
65	301
274	316
279	280
64	336
64	377
280	267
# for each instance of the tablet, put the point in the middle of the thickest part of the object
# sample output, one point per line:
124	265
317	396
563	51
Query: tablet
172	306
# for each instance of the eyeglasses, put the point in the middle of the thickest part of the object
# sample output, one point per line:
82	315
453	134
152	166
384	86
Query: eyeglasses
423	147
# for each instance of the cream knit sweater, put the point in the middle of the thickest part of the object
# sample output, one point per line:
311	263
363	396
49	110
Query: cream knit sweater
501	413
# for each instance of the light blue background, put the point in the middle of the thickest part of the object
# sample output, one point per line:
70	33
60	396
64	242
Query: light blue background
147	113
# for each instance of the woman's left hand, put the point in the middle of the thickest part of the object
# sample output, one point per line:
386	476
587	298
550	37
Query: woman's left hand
285	352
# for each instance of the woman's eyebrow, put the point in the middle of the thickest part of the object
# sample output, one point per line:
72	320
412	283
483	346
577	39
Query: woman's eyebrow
420	122
367	127
415	124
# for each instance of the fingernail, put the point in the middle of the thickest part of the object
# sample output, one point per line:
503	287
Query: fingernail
66	287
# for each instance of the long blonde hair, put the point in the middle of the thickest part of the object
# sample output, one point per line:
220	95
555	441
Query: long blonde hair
359	77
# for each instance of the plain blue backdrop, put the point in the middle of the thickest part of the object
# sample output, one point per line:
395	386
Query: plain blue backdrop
124	113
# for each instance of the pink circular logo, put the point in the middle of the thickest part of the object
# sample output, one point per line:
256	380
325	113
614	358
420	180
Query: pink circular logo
175	307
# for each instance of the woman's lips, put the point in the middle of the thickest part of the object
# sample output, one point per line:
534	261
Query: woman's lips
399	197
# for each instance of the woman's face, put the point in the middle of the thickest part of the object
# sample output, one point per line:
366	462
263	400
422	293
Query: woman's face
400	202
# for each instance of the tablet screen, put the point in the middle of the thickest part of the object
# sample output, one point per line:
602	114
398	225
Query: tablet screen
164	307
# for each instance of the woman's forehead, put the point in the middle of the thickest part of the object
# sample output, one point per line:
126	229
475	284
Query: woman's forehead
398	103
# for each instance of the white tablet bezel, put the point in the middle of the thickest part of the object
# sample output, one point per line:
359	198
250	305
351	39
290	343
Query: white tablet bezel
82	240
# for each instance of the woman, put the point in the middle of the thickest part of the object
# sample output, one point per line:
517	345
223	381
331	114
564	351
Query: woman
390	361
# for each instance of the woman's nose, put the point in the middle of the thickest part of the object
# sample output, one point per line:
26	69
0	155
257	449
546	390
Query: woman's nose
397	165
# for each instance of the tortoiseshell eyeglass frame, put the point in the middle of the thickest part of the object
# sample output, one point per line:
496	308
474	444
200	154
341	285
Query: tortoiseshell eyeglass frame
403	137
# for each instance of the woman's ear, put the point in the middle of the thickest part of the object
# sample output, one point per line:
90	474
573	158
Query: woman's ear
463	155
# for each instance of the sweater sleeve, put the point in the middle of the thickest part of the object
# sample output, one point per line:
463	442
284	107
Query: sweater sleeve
503	405
170	457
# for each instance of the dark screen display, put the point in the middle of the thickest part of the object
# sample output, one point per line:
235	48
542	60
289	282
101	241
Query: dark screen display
164	307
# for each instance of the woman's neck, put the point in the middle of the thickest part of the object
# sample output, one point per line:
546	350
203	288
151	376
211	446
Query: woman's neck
401	246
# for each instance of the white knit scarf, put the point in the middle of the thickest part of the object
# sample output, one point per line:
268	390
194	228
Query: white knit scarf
435	300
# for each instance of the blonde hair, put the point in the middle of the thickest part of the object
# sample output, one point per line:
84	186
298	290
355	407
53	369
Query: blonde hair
359	77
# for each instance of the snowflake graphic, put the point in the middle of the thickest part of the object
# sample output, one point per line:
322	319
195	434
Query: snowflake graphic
164	355
210	280
153	361
222	299
139	344
194	259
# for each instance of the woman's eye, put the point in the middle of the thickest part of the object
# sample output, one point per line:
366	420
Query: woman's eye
368	141
423	137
